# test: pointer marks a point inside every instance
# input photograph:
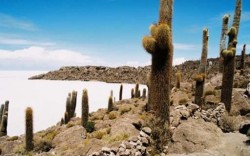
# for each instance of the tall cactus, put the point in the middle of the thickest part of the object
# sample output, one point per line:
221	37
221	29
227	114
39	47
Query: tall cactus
144	93
200	77
229	59
225	22
160	46
1	112
110	104
243	57
120	93
29	129
178	80
73	100
137	90
4	125
66	117
132	93
4	119
85	108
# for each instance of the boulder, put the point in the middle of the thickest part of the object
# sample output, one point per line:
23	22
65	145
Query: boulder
194	135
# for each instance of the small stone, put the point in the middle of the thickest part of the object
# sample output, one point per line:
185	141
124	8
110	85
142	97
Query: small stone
145	142
134	139
95	154
147	130
185	114
106	149
180	107
138	153
143	134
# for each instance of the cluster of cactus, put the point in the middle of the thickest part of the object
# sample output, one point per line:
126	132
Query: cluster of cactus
70	107
200	77
4	118
243	57
135	92
229	59
178	79
225	22
85	108
29	145
159	45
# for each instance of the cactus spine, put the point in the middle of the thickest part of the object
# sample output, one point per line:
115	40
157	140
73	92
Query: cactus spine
120	93
29	129
110	104
229	59
159	45
178	80
224	30
85	108
200	77
243	57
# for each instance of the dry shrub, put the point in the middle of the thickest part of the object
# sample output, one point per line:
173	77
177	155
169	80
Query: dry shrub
113	115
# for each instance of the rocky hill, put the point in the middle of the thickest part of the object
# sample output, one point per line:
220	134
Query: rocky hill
126	74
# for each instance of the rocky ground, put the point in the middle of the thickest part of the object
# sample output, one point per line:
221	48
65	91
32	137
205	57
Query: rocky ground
195	131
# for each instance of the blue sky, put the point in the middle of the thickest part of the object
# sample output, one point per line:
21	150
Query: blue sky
47	34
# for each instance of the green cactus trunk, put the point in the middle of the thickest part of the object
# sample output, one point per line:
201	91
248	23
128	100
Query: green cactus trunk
29	129
1	113
225	22
229	59
160	46
178	80
136	90
132	93
73	104
120	93
144	93
85	108
200	78
66	117
4	125
110	104
243	57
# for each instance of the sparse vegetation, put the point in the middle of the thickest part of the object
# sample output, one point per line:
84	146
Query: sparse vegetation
90	127
113	115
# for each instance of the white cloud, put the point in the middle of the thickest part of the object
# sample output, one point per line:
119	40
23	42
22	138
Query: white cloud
181	46
35	58
14	41
12	22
